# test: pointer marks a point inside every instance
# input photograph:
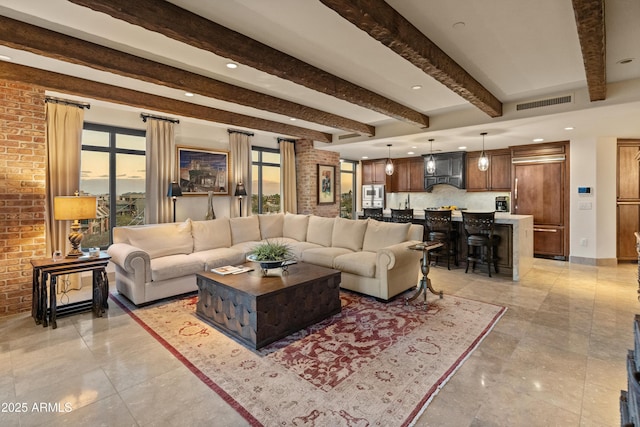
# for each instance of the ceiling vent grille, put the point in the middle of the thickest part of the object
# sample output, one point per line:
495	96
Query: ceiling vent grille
348	135
544	103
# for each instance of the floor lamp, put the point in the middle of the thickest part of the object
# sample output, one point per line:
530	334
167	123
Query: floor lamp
174	192
240	192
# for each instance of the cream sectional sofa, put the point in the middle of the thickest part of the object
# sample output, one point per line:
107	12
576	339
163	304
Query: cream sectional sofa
161	260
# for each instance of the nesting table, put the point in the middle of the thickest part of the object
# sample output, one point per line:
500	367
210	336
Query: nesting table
47	270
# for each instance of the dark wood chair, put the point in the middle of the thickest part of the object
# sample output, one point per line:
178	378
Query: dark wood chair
438	227
482	244
401	215
373	213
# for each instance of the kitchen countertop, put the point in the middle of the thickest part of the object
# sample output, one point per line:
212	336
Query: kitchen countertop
501	217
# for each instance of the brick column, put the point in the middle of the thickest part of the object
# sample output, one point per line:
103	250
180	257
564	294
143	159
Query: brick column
307	160
22	191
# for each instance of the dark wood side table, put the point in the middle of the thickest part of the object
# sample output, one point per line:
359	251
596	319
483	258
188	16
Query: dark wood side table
45	269
425	282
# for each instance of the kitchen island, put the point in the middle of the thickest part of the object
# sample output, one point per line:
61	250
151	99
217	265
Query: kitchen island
516	246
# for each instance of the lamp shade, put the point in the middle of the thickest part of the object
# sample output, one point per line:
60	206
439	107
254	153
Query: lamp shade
174	190
74	207
240	190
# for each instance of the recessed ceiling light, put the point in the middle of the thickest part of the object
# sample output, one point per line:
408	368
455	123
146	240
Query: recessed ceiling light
416	87
189	94
462	147
625	61
414	146
5	58
538	139
569	128
410	152
232	65
365	157
459	25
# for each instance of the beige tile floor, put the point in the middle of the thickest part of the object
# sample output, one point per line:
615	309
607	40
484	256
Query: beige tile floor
557	357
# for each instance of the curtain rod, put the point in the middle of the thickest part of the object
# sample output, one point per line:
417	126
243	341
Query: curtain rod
146	116
287	140
67	102
244	132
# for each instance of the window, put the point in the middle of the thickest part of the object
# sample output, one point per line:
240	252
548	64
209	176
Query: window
265	185
347	186
112	163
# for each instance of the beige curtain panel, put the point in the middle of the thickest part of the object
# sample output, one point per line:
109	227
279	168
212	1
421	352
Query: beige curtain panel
160	170
240	144
63	148
289	200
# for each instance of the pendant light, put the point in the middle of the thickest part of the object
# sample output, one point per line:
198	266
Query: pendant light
483	161
431	162
388	167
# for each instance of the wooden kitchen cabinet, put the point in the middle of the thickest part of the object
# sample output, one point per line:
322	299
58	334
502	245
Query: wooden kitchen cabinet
373	172
496	178
450	169
408	175
627	199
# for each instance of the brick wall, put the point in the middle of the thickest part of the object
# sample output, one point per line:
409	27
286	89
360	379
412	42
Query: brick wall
22	191
307	160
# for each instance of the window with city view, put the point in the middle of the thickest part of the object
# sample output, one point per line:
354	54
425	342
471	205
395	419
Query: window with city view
112	163
265	182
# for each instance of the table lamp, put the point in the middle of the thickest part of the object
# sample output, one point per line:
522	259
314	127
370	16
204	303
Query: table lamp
74	208
174	192
240	191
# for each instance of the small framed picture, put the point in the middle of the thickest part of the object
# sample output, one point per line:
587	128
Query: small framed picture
201	170
326	184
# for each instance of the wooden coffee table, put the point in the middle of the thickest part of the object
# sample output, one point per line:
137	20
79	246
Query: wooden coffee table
258	310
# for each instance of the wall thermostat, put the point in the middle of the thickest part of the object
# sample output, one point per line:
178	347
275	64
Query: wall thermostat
584	190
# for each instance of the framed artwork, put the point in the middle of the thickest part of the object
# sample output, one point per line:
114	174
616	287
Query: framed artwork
326	184
201	170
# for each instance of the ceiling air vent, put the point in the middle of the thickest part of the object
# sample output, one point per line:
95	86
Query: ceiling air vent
348	135
544	103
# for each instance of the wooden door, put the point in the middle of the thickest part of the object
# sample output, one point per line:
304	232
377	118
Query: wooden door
628	199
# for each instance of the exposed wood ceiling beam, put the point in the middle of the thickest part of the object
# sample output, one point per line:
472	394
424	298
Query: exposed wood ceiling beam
180	24
40	41
383	23
591	32
104	92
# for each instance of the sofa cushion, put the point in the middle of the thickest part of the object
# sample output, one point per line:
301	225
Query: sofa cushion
320	230
244	229
382	234
297	248
172	266
271	225
211	234
218	257
359	263
323	256
295	226
348	233
160	240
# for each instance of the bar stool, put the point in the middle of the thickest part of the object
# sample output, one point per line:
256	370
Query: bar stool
401	215
482	244
440	229
373	213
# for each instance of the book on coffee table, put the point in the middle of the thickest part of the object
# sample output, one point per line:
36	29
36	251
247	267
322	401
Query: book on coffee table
231	269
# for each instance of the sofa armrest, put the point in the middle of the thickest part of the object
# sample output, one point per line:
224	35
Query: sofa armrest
397	255
130	258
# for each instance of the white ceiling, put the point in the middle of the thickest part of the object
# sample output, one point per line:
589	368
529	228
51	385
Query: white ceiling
520	50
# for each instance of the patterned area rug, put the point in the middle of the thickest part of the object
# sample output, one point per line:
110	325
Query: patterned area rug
373	364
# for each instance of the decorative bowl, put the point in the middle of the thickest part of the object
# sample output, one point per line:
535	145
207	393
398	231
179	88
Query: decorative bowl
266	265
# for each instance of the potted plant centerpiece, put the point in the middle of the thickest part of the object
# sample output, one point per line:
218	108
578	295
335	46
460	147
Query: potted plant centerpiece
271	254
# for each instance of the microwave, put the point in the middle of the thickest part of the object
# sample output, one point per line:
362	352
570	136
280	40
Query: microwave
373	195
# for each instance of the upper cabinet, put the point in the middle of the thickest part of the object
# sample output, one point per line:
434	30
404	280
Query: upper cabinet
408	175
450	169
373	172
496	178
